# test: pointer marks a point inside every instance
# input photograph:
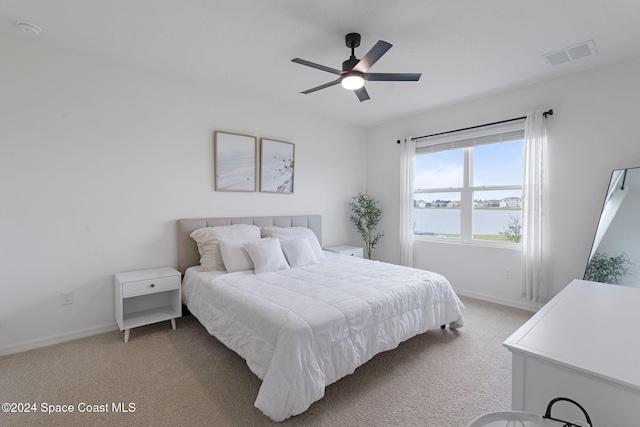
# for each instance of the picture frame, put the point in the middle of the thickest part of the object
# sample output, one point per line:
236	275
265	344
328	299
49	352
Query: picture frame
277	166
235	162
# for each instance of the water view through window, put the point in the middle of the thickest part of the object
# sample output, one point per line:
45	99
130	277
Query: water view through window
471	193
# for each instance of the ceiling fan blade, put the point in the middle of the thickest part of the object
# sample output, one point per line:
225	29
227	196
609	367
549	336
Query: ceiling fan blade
362	94
316	66
392	77
326	85
372	56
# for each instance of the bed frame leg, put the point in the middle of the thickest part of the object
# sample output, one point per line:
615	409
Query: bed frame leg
443	326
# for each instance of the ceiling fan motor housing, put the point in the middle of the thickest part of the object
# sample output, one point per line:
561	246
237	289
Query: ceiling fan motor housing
349	64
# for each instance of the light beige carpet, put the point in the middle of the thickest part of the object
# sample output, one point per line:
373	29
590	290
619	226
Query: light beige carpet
188	378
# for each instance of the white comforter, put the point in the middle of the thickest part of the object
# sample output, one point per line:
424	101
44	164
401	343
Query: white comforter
304	328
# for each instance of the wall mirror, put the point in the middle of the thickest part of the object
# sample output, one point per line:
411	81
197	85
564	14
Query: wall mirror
615	253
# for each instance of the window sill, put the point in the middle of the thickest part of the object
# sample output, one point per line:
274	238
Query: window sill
477	243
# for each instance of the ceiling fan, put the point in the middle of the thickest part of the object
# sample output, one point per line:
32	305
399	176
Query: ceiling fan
354	70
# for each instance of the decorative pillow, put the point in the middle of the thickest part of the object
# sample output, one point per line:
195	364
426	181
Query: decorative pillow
266	255
288	233
208	238
298	252
234	256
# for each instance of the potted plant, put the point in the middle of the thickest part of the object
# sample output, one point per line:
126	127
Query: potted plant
365	215
607	269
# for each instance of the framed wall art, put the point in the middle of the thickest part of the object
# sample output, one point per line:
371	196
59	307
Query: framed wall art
276	166
235	162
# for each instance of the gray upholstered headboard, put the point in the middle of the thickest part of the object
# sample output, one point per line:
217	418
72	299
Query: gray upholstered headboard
188	250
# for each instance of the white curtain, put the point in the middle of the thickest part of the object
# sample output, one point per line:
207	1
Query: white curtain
407	162
535	230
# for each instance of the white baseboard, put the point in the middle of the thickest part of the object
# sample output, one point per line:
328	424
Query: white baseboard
56	339
523	305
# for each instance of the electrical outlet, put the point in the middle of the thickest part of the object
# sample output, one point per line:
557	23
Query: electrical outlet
507	273
66	297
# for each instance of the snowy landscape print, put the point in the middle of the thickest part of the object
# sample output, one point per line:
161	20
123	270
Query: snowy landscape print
276	166
235	157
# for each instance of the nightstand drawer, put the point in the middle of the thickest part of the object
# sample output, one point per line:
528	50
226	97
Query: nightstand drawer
148	286
346	250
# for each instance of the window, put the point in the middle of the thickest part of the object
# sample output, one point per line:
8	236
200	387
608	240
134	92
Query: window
468	185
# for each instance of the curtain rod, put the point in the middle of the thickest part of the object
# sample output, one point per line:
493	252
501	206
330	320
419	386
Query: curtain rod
545	114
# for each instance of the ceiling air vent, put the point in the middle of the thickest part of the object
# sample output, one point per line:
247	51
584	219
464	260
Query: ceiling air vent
571	53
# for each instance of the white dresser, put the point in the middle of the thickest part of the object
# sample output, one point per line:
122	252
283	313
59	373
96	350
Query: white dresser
583	345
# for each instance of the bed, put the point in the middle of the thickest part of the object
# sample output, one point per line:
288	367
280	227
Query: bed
304	327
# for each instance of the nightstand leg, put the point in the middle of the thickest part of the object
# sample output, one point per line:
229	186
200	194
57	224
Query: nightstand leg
126	335
173	324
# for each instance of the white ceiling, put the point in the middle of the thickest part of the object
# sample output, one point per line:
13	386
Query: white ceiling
243	48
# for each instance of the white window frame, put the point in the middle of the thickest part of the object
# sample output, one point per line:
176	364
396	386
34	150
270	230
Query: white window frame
467	140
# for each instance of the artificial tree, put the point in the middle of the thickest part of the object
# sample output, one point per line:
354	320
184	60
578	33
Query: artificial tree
365	215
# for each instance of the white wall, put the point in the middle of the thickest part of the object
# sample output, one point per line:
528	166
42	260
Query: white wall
593	131
98	161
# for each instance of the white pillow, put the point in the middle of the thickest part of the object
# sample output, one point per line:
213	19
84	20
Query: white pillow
266	255
208	238
298	252
234	255
288	233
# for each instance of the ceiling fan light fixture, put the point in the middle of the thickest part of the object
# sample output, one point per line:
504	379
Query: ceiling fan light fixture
352	81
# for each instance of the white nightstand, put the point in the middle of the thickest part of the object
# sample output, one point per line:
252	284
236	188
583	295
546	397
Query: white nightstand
147	296
346	250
